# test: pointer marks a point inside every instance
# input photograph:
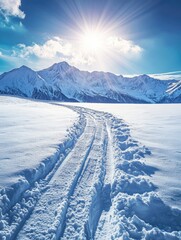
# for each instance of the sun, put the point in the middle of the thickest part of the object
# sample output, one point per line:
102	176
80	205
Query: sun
92	41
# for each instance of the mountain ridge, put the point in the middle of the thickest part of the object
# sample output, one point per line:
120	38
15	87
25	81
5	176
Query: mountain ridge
64	82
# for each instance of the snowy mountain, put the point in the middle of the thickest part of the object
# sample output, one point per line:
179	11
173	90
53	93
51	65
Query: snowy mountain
67	83
25	82
173	93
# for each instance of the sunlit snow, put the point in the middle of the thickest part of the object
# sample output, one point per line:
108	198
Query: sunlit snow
72	172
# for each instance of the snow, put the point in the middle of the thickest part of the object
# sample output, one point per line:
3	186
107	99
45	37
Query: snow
27	129
94	84
66	83
157	127
103	179
167	76
162	76
33	134
22	81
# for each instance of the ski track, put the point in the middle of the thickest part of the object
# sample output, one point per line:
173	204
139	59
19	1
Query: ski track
99	188
84	206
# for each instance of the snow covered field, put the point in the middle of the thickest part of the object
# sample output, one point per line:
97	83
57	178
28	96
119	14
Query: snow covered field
30	133
104	178
32	137
159	128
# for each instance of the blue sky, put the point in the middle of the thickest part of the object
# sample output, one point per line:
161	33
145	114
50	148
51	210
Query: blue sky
120	36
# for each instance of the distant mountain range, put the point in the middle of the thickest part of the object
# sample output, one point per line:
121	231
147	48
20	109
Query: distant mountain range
63	82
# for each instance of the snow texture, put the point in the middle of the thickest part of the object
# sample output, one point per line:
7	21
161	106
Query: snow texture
99	187
158	127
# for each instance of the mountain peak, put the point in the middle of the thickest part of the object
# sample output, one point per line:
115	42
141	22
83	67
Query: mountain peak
25	67
61	78
61	66
145	76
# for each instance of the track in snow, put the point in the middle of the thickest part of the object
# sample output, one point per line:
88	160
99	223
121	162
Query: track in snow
96	191
51	208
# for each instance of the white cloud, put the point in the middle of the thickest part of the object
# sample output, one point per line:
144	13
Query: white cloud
55	48
49	49
58	49
123	46
11	8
